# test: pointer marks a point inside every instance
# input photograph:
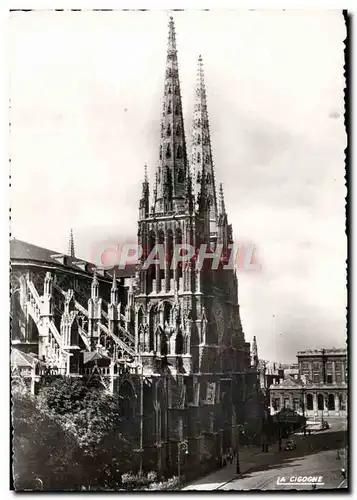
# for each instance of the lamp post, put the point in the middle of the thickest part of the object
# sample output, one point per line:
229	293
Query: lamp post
181	446
238	464
303	408
279	432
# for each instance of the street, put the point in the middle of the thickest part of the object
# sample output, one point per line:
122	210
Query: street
314	456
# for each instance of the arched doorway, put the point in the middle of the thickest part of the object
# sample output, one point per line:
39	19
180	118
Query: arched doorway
309	402
320	402
331	402
179	343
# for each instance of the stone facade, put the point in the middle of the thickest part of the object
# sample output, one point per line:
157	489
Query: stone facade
320	390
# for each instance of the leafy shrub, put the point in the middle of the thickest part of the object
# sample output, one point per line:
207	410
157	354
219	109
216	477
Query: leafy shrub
131	481
171	484
152	476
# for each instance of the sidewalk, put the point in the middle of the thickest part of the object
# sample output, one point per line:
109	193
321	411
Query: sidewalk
249	458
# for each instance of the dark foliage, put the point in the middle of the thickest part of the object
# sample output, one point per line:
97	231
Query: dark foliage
69	438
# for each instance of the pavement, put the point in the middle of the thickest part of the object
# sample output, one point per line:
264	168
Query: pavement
315	455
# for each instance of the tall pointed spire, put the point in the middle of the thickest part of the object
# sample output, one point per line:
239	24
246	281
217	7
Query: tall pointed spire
172	166
144	201
222	207
202	161
71	251
114	289
223	235
255	358
95	285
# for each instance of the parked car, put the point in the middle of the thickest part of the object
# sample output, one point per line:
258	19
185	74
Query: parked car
324	425
290	445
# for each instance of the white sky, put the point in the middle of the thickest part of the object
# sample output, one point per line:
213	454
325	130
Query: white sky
86	92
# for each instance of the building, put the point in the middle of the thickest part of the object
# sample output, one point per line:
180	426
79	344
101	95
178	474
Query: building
291	371
270	372
169	339
319	390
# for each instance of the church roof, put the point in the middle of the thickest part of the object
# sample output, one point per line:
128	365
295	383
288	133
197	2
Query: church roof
320	352
292	383
23	359
24	251
89	357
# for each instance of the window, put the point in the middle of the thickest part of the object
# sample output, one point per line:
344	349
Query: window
316	365
320	402
305	366
329	378
168	130
179	152
168	151
338	377
286	402
309	402
276	404
180	176
198	139
169	108
296	404
342	402
198	158
178	130
316	378
331	401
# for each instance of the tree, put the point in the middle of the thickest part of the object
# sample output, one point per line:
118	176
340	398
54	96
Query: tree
69	437
41	450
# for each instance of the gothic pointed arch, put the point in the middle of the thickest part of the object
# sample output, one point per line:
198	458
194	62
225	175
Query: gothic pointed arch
180	176
168	151
163	344
179	343
167	308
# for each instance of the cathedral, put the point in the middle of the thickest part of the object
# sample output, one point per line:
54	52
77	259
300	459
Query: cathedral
166	336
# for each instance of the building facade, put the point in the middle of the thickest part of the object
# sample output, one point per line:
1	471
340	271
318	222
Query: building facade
319	390
169	339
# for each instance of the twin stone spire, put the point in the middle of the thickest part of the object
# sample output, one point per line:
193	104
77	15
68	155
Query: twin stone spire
180	184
